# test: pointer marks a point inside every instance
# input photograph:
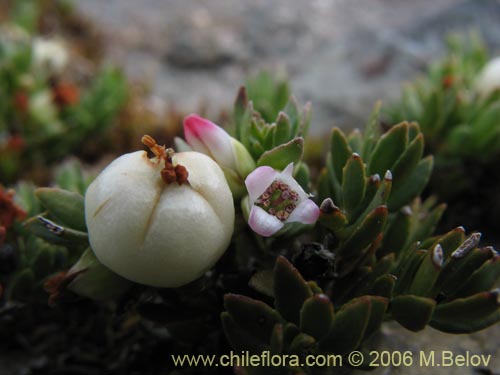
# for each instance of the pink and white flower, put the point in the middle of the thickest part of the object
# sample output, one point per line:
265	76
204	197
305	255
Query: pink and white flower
210	139
276	199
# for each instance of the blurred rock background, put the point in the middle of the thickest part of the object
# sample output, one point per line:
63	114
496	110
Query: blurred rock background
342	55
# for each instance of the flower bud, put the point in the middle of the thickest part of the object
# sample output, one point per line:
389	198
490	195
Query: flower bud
204	136
488	79
158	225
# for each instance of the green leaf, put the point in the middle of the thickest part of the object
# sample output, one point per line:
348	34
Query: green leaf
316	316
331	217
427	225
365	233
427	272
239	339
412	312
466	315
277	339
302	344
286	279
282	130
280	156
348	327
340	152
458	269
353	183
43	262
377	313
389	149
372	131
450	241
253	316
263	282
54	233
408	161
302	175
397	234
384	286
65	206
486	277
377	193
412	186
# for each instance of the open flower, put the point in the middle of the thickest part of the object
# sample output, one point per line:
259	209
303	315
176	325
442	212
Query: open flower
206	137
277	199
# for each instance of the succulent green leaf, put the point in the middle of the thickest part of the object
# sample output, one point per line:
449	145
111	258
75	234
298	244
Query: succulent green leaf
331	216
282	130
290	331
302	344
292	111
377	313
450	241
280	156
353	183
54	233
486	277
240	114
253	316
412	312
397	234
290	290
65	206
302	175
408	266
340	152
43	262
465	315
277	339
458	269
348	328
316	316
355	141
412	186
372	130
389	149
377	193
263	282
365	233
427	272
324	190
427	225
408	161
239	339
384	286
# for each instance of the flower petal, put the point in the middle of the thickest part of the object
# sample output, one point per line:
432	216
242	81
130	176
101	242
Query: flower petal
307	212
262	223
259	180
215	140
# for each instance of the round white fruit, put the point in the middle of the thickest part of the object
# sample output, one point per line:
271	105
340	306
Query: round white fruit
159	234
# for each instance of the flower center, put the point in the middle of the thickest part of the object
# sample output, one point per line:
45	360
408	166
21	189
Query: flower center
278	200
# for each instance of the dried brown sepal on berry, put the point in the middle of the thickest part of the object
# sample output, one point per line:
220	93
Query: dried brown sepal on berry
56	285
170	173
